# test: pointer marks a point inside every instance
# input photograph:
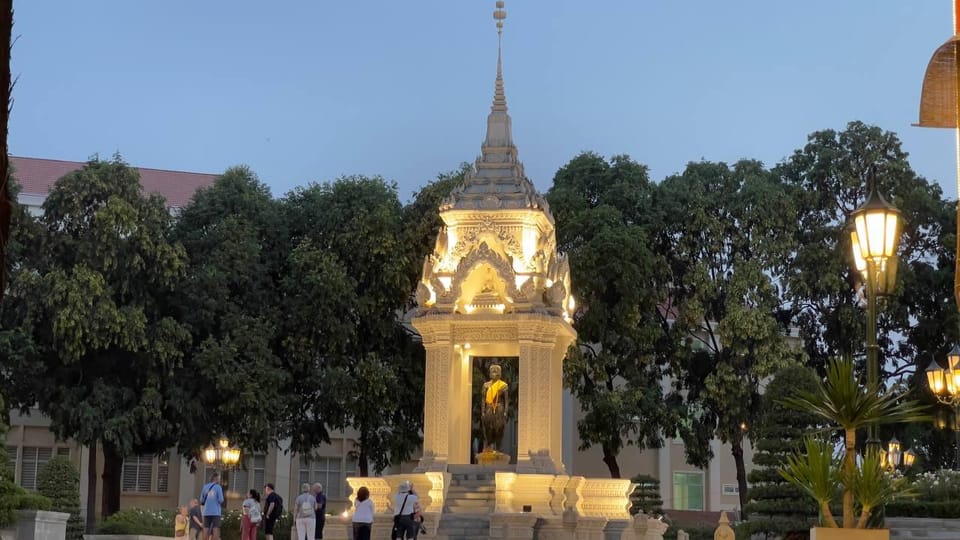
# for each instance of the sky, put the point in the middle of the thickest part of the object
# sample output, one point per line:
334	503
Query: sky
304	91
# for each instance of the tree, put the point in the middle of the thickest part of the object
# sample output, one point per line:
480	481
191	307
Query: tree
604	219
776	507
59	481
352	230
841	401
646	496
231	301
97	338
724	236
829	178
7	199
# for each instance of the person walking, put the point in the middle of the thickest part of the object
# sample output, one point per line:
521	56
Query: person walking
320	511
251	516
362	515
304	507
211	498
405	505
273	509
195	514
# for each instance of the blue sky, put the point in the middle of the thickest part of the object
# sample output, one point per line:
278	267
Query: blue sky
310	90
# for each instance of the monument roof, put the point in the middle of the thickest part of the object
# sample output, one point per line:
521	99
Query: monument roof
498	180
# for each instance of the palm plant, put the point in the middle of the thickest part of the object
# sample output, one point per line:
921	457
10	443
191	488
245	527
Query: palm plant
842	402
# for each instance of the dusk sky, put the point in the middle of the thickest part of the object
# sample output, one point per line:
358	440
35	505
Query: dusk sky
310	90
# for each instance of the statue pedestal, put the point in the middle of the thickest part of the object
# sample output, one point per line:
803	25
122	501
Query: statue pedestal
492	457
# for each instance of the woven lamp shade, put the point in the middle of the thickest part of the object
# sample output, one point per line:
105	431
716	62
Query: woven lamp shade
938	99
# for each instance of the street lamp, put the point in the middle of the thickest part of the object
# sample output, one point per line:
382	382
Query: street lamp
945	386
894	457
875	237
222	455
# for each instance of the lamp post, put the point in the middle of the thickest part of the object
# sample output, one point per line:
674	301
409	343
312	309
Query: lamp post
945	386
223	456
875	237
894	457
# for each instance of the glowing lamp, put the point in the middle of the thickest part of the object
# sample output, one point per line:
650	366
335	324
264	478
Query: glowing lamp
893	452
936	378
878	229
908	458
210	455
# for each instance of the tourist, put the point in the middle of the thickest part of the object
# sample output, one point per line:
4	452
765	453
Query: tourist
320	512
196	520
181	523
251	516
274	508
211	498
405	505
304	507
362	515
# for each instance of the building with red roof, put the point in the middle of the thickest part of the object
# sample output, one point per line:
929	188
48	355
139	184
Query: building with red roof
37	176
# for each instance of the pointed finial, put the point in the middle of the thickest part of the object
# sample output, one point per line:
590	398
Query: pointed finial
499	98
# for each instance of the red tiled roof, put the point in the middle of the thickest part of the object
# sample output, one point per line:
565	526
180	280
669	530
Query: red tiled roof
37	176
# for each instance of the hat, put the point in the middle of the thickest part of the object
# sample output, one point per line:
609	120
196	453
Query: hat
405	486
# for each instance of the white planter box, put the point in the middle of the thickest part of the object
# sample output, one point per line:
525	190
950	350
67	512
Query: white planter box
41	525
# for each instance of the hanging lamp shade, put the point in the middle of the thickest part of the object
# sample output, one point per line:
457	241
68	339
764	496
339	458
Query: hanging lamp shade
938	98
936	378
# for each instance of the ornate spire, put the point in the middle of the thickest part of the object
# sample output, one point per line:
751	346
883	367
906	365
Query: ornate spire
498	181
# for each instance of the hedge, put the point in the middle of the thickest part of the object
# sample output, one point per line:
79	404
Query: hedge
931	509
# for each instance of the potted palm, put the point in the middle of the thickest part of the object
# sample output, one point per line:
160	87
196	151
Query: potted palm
843	403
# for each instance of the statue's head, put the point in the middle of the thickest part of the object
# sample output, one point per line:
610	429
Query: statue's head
495	372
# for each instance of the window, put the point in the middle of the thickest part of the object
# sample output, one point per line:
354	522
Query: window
731	489
250	474
12	455
32	460
688	491
138	473
328	471
63	451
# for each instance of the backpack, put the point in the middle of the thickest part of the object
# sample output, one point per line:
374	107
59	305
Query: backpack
277	508
254	514
306	508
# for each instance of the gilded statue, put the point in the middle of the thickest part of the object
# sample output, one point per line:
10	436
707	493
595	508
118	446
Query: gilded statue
493	416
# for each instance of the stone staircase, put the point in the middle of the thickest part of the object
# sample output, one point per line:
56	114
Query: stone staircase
927	528
471	500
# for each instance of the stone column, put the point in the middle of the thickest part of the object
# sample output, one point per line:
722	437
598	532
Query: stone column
540	414
446	407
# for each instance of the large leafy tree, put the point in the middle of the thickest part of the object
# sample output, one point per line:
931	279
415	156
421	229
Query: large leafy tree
233	379
604	222
350	233
724	235
92	305
829	178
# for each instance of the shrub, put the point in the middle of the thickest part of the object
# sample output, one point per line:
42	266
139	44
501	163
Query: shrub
33	501
928	509
139	521
942	485
59	481
646	496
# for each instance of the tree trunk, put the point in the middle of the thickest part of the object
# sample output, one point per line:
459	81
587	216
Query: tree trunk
610	458
736	448
112	472
92	488
362	465
849	466
6	205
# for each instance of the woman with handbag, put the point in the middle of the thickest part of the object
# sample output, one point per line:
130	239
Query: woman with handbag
405	505
251	516
181	524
